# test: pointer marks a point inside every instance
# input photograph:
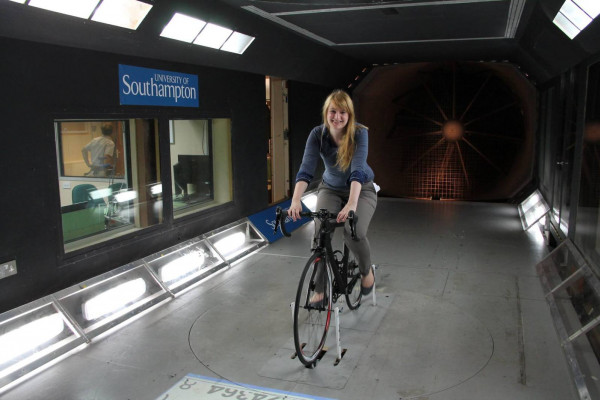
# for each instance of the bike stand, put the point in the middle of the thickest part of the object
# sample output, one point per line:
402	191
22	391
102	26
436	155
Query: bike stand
338	346
374	267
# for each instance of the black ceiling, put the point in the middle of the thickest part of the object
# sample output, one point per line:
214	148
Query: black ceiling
347	25
328	41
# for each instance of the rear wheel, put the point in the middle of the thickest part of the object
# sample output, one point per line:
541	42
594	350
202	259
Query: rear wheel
353	279
312	310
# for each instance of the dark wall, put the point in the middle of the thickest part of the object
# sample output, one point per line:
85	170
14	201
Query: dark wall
43	82
305	112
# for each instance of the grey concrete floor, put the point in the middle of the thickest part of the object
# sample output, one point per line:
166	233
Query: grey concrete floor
460	314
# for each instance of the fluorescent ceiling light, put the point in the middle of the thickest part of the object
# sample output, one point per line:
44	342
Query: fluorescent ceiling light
18	1
591	7
184	28
126	196
123	13
113	299
100	193
237	43
213	36
76	8
575	14
566	26
30	336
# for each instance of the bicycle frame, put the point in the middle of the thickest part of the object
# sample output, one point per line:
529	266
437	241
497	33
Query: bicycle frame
324	246
328	226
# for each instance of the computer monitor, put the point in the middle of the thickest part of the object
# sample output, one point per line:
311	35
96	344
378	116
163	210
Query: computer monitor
196	171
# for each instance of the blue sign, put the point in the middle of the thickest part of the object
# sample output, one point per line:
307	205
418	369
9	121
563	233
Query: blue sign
264	221
154	87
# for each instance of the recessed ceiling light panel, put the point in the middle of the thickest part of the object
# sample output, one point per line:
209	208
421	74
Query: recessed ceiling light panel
184	28
237	43
566	26
213	36
591	7
123	13
575	14
76	8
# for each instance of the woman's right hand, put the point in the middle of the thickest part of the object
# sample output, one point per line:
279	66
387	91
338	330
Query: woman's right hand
295	209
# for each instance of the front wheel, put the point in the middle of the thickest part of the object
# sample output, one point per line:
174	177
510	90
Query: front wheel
312	310
353	279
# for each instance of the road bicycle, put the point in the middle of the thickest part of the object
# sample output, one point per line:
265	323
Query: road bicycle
328	275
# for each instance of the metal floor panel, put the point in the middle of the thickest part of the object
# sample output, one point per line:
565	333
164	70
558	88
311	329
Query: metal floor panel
464	318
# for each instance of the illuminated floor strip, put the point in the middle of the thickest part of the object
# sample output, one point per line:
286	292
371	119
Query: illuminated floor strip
193	387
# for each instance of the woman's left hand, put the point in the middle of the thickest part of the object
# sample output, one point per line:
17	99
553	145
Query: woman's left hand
343	215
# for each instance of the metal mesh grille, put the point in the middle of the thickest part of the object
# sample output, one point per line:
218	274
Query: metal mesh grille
434	164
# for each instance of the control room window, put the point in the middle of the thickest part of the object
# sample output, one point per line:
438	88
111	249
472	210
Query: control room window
200	164
109	179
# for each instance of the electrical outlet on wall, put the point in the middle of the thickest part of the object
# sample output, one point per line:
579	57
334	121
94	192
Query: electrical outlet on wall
8	268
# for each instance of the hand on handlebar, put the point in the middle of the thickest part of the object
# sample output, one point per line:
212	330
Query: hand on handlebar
295	210
344	213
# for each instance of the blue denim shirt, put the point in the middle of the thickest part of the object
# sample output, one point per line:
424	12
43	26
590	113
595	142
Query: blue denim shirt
327	149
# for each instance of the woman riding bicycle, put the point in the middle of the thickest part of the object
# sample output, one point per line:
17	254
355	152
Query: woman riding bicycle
343	145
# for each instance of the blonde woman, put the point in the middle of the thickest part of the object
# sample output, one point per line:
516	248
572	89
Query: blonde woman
343	145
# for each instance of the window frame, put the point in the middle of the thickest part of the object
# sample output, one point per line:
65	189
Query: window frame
77	252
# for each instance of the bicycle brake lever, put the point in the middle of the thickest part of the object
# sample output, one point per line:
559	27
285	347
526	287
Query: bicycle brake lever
277	217
280	217
352	218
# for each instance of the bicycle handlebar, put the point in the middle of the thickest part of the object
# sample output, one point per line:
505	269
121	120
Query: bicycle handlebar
323	215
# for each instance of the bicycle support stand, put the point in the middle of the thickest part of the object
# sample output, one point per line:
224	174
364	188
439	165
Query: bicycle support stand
374	267
336	311
338	346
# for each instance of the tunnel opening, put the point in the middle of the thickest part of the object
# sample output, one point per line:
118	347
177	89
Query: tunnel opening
449	131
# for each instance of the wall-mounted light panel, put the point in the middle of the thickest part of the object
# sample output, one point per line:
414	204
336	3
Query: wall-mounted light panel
107	300
532	209
571	285
181	267
236	240
32	336
310	201
124	13
193	30
575	15
45	331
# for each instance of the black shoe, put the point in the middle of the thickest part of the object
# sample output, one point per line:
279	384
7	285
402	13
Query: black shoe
365	291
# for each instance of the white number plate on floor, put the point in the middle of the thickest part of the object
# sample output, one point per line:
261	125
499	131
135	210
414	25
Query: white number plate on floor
194	387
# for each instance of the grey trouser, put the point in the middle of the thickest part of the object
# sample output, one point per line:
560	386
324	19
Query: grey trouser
332	200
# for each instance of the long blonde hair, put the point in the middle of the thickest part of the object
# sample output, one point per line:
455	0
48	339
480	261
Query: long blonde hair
342	101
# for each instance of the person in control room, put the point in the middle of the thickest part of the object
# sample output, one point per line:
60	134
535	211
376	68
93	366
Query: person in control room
101	149
342	143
